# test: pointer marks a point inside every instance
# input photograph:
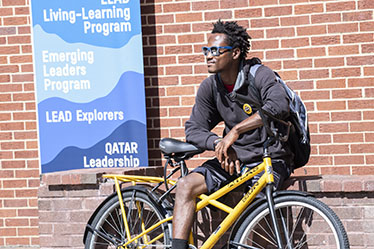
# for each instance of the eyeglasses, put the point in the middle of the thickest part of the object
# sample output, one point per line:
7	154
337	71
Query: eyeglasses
215	50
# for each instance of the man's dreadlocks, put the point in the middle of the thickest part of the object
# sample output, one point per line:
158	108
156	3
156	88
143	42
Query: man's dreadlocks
236	35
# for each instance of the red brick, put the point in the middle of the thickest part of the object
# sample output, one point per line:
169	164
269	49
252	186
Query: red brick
320	160
21	135
176	7
340	6
178	91
21	59
351	93
7	31
13	164
22	10
245	13
11	126
190	59
334	171
308	8
26	154
325	40
193	38
360	104
360	60
297	42
25	39
311	30
333	127
362	126
280	32
278	11
177	28
177	70
329	62
14	21
17	241
160	19
317	138
214	15
9	69
326	18
182	49
346	72
366	26
360	82
262	2
316	95
6	12
264	44
358	16
333	149
229	4
358	38
345	116
204	5
343	50
278	54
343	28
294	21
314	74
8	232
362	148
365	4
13	2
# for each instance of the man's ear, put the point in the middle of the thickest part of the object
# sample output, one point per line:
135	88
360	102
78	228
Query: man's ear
236	53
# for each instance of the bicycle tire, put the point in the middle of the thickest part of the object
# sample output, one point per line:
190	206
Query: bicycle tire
304	220
141	213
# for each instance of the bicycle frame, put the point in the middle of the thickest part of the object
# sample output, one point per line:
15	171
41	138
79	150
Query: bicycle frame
233	213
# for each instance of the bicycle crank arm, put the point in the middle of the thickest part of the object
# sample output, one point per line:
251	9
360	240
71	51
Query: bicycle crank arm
236	244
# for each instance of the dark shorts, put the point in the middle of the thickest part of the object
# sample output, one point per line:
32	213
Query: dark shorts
216	177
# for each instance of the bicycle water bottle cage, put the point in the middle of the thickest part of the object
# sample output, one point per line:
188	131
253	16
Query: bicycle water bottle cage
179	150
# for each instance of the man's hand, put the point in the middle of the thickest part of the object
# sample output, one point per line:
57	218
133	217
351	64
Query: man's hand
226	155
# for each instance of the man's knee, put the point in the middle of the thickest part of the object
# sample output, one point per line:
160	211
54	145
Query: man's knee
190	186
184	189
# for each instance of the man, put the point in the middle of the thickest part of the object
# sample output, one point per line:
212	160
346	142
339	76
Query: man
244	134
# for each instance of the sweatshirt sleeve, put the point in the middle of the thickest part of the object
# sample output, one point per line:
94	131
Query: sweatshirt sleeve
274	97
204	117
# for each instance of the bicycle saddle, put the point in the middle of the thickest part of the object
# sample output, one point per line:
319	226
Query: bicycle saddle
170	146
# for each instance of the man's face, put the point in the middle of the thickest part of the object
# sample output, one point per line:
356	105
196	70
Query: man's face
218	64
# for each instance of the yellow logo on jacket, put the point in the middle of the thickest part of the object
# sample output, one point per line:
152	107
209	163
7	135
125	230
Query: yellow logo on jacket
247	108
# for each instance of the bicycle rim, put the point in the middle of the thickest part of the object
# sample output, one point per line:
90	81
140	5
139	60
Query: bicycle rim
305	223
141	214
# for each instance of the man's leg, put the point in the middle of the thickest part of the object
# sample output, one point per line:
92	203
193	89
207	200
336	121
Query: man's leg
188	188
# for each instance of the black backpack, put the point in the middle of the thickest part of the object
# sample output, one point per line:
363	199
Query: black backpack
299	137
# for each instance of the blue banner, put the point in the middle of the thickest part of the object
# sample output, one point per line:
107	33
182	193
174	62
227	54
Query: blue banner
90	84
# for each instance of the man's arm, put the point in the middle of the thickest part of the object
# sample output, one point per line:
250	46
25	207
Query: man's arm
203	119
223	149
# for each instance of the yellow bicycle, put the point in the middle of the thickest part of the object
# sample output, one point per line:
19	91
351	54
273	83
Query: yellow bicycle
140	215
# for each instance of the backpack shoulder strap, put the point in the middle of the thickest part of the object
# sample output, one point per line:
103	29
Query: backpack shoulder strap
253	69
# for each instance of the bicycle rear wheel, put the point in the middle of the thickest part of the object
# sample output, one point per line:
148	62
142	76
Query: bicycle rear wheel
304	221
141	213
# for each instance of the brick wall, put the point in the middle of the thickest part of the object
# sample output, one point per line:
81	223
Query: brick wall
19	165
323	49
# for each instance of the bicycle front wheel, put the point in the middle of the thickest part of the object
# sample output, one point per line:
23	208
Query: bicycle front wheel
141	213
305	222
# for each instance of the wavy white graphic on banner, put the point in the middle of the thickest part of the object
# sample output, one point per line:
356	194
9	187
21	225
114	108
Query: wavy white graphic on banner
84	80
